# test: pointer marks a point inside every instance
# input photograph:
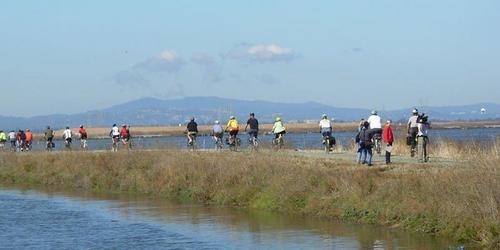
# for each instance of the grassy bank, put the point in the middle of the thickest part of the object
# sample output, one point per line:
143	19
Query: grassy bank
460	201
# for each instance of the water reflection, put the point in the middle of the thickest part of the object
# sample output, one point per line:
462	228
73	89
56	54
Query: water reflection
84	220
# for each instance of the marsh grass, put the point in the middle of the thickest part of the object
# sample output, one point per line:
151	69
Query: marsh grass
459	200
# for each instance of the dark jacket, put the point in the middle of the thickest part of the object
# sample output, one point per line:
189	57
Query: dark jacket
192	127
365	136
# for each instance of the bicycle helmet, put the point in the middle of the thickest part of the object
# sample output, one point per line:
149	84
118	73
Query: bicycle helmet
232	117
67	127
252	114
323	116
81	126
216	122
374	112
114	125
415	111
278	119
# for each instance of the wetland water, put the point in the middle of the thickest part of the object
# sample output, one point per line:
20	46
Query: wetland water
294	140
41	220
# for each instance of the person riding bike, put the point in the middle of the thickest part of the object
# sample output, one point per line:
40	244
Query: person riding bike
325	126
253	123
13	140
83	137
115	136
3	139
29	139
278	130
233	128
192	131
412	131
21	140
67	136
124	135
217	133
49	136
375	123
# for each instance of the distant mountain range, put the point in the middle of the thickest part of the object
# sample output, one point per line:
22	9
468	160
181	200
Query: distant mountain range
154	112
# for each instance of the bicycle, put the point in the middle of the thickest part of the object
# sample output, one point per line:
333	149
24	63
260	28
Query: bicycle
328	142
114	146
83	144
377	143
219	145
67	144
49	145
279	142
253	141
191	141
234	143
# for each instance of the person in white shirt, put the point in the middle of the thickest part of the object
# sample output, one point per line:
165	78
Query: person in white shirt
325	125
67	136
412	131
375	121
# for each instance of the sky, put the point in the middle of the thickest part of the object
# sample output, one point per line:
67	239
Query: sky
73	56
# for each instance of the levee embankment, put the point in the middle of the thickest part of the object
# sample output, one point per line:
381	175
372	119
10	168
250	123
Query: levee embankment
458	200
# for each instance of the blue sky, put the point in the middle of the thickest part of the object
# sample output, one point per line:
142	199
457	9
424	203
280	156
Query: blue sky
74	56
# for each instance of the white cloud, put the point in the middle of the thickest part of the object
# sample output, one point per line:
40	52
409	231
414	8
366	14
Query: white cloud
262	53
166	61
168	55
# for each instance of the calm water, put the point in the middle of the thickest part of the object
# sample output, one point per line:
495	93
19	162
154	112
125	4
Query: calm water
295	140
37	220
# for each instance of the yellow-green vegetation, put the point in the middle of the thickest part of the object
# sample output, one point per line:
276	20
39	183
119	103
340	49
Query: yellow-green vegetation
459	200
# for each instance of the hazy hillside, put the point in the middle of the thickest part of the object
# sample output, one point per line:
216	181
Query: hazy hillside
151	111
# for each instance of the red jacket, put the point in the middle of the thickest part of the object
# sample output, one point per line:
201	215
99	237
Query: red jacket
387	135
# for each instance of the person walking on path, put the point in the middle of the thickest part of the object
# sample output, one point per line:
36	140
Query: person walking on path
423	138
388	138
365	145
412	131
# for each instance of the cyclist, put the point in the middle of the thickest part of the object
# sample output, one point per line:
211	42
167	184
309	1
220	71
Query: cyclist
376	129
67	136
115	136
278	129
192	131
83	137
3	139
21	140
413	131
29	139
233	128
217	133
325	126
49	136
253	123
124	135
13	140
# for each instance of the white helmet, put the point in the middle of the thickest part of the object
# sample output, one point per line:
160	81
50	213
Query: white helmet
374	112
216	122
323	116
415	111
232	117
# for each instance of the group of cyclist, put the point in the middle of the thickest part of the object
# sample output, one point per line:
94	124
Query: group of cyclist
370	134
232	128
19	141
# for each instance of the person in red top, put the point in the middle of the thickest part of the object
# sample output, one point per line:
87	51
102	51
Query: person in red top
388	138
29	139
124	134
83	137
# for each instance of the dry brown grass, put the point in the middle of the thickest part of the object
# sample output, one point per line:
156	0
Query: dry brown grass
459	200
